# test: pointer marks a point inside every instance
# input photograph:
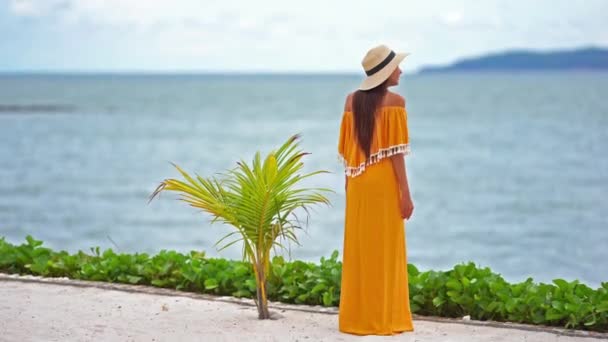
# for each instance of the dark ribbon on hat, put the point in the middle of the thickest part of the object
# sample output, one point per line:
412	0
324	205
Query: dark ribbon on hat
382	64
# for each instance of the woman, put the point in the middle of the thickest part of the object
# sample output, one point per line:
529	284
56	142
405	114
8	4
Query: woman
374	298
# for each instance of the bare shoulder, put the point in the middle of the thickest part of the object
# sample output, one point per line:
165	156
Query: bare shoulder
348	105
394	99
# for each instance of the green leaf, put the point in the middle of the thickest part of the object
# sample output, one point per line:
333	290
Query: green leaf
557	305
210	284
465	282
318	288
158	282
32	242
562	284
493	306
412	270
453	294
438	301
302	298
553	315
251	284
242	293
454	284
133	279
419	299
593	321
602	307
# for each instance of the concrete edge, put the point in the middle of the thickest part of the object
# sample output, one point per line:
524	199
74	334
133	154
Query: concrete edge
283	306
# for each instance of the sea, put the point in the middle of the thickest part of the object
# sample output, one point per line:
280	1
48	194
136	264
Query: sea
507	170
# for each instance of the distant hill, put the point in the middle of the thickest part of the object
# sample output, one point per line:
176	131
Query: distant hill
588	58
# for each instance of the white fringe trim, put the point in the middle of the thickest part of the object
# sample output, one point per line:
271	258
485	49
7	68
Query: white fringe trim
374	158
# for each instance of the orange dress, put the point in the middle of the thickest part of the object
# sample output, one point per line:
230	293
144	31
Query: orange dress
374	296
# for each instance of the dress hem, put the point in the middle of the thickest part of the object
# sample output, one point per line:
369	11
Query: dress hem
364	333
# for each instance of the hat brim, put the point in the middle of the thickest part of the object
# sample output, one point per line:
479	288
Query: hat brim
381	76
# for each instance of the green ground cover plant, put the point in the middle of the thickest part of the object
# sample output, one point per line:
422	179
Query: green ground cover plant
464	290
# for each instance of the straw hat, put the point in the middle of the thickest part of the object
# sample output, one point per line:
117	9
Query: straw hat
379	63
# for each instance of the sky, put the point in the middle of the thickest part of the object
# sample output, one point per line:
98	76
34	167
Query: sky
281	35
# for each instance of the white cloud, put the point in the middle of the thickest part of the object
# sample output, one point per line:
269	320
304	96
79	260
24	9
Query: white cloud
452	18
21	7
34	8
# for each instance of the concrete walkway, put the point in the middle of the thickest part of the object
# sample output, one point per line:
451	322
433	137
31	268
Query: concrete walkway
50	309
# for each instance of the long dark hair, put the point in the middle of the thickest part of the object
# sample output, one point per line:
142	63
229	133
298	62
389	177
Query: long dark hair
365	105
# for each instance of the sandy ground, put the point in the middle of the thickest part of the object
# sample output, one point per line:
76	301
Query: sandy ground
31	311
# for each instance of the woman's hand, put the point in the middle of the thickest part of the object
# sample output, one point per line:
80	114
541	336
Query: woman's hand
407	207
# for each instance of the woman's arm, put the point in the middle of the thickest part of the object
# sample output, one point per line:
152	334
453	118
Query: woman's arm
345	183
401	174
405	201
